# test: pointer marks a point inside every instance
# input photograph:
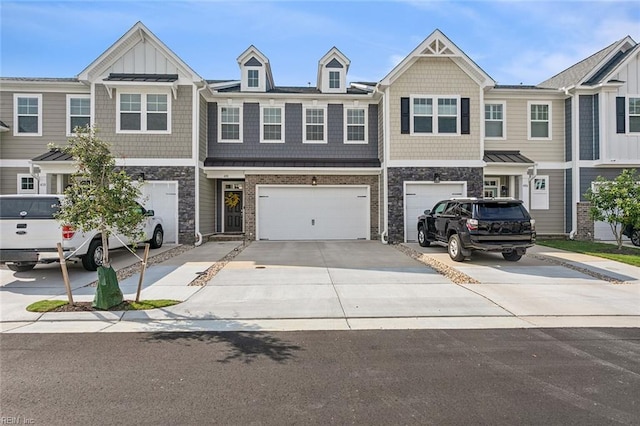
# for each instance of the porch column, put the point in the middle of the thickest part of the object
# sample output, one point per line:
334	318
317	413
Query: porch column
44	183
525	190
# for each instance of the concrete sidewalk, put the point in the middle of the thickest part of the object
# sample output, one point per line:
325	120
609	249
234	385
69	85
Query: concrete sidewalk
360	285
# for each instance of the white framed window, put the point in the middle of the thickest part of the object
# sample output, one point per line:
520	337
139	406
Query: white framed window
27	114
144	113
315	124
253	78
633	116
272	125
355	125
27	184
494	122
78	112
539	120
540	193
334	79
229	123
435	115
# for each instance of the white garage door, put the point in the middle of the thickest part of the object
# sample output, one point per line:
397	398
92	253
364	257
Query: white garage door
602	232
420	196
312	213
162	198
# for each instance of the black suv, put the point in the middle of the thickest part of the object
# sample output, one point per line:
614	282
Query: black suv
490	224
633	234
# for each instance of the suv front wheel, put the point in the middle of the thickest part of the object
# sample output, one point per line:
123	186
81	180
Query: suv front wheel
512	256
455	248
422	238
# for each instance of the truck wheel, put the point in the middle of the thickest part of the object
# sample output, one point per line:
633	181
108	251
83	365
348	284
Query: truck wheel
157	238
93	258
635	237
422	238
512	256
455	248
21	267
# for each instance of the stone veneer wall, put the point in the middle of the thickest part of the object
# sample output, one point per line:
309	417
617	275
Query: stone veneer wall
585	231
186	195
397	177
252	180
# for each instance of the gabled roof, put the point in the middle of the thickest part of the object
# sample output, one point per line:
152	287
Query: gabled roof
438	45
334	58
595	68
138	35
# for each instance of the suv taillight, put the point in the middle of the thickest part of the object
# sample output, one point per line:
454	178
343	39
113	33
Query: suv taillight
533	224
472	224
68	232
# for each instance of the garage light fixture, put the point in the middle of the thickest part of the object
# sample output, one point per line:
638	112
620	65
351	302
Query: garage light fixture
436	177
314	181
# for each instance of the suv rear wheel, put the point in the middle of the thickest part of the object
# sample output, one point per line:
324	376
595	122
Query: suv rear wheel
21	267
635	237
512	256
455	248
422	238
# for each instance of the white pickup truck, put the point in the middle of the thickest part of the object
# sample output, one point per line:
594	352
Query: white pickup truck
29	234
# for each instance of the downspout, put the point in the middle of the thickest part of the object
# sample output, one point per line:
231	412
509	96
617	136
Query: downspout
196	152
385	169
575	170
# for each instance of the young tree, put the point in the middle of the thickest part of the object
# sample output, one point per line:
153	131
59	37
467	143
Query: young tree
99	197
616	202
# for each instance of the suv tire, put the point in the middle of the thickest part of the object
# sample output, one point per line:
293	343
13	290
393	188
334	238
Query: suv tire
422	238
455	248
511	256
635	237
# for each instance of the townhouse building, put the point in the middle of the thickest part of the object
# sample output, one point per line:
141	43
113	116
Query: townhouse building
338	160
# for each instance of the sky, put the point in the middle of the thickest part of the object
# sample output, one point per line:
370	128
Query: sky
515	42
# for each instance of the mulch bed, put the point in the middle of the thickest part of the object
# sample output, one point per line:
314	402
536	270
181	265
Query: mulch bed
86	307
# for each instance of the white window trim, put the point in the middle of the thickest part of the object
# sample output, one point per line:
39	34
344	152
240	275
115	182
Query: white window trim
366	125
434	115
15	113
540	197
79	96
326	86
26	191
550	105
143	92
230	105
262	123
628	115
504	121
261	79
304	124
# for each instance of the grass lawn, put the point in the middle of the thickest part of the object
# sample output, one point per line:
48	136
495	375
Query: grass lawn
127	305
628	255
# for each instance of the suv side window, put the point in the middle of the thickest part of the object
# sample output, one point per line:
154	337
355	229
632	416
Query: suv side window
439	208
451	209
466	209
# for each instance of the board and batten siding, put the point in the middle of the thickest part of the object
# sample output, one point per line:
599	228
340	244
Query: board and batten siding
517	122
177	144
552	220
622	147
54	130
434	76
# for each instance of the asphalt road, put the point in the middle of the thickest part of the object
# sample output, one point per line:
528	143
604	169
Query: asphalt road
493	377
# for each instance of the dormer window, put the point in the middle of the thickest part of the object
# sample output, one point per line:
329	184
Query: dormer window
253	78
332	72
334	79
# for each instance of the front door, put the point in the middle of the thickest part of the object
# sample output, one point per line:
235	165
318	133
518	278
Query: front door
233	211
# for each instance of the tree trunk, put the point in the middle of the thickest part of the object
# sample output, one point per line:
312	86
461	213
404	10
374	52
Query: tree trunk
105	247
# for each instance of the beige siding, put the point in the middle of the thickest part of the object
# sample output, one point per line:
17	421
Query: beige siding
207	204
9	179
202	138
551	221
434	76
381	131
54	130
174	145
517	132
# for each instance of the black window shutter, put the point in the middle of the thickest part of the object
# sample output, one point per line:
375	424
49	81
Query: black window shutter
620	114
405	116
465	125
